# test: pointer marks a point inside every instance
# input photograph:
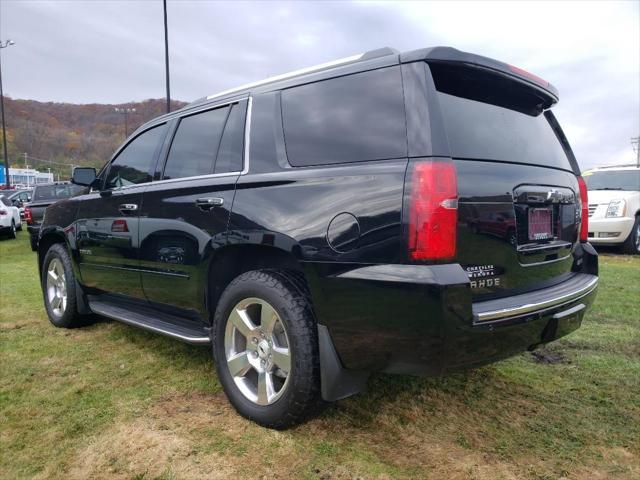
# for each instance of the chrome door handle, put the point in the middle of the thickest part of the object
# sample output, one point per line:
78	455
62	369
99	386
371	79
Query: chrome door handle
128	208
209	203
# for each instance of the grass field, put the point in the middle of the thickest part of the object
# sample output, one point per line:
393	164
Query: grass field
109	401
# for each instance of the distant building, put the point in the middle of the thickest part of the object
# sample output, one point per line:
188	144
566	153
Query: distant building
25	176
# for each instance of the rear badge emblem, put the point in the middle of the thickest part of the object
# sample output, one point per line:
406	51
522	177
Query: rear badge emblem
481	276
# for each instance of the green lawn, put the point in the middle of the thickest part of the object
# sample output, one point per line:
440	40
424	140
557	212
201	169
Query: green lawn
109	401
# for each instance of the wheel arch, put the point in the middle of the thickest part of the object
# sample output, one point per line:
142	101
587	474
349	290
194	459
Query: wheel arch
234	260
47	238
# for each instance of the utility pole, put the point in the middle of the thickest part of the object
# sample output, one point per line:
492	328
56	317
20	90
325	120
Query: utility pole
166	55
25	160
635	144
4	130
125	111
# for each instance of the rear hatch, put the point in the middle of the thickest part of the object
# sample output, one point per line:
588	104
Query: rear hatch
519	201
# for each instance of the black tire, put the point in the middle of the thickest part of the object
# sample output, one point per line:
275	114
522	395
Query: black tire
33	241
300	398
631	245
69	317
12	230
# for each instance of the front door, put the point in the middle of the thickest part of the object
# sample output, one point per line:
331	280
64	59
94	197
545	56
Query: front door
185	215
107	229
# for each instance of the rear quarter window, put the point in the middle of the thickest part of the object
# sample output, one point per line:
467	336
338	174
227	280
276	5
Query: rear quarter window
353	118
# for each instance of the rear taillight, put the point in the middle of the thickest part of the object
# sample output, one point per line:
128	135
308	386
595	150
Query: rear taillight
584	211
28	216
433	210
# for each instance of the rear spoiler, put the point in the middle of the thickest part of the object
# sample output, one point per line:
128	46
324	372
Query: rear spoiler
452	55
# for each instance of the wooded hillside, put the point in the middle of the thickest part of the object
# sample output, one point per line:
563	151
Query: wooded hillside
67	133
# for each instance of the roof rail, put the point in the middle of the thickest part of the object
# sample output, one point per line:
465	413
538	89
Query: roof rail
617	166
371	54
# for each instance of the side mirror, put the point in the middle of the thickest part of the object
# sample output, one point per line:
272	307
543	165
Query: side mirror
84	176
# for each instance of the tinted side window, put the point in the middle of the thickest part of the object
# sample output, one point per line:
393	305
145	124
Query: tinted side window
230	152
133	163
348	119
195	144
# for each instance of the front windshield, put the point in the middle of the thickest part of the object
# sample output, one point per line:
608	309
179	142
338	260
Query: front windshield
613	180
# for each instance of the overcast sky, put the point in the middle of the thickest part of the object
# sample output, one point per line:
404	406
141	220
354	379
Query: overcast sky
113	52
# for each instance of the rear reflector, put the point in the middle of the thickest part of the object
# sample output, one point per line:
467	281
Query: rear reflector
433	210
584	215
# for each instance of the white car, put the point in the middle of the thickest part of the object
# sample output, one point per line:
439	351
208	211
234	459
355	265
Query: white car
9	218
614	206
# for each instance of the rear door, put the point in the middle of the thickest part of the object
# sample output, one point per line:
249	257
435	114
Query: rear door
107	229
185	214
518	211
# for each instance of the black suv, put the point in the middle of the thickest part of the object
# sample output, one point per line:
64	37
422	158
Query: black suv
412	213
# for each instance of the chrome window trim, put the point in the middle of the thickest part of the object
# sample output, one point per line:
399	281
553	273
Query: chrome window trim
247	141
247	136
195	177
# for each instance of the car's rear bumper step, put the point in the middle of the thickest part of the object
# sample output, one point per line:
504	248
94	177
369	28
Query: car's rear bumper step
157	322
577	287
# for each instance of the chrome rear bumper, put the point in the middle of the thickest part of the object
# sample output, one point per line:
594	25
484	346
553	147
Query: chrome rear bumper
572	290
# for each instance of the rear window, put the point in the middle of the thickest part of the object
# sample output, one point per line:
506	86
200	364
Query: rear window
346	119
613	180
57	192
490	118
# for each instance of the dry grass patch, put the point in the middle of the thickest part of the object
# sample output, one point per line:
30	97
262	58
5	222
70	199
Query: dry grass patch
143	449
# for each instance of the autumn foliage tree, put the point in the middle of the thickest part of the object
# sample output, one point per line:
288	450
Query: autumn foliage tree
69	133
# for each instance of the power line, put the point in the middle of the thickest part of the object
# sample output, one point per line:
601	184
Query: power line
51	162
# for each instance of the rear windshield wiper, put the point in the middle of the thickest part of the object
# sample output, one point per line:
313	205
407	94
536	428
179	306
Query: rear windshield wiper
609	188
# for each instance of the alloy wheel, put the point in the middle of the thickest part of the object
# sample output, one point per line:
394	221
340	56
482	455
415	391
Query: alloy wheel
257	351
56	287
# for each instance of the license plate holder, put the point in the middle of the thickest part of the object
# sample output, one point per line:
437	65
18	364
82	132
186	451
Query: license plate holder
540	224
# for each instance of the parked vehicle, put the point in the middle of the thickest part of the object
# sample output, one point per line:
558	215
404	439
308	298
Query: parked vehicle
19	198
10	221
614	207
319	226
43	196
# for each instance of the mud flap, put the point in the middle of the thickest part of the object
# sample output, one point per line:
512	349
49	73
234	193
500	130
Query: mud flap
336	381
